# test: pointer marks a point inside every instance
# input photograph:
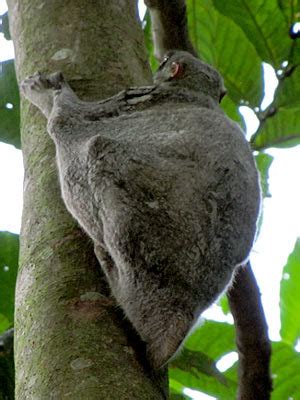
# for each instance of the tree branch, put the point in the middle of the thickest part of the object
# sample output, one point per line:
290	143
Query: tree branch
251	337
169	26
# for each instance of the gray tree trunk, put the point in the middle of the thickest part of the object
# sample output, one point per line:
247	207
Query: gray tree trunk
69	342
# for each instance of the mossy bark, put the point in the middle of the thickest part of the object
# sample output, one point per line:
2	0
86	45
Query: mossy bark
69	342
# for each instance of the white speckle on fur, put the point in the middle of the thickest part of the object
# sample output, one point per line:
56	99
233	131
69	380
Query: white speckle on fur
153	204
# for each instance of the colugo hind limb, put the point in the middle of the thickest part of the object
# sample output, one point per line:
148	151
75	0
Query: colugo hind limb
164	184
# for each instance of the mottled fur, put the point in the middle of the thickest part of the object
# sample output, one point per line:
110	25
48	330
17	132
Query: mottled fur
165	185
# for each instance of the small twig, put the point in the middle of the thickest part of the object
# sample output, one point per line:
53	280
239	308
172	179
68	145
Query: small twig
272	109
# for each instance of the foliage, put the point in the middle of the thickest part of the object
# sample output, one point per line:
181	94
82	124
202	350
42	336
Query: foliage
196	368
289	298
4	28
9	96
263	162
235	30
237	37
9	250
9	105
7	373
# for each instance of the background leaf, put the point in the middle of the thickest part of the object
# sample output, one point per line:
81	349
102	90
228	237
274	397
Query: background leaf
178	397
9	94
243	78
176	388
224	304
290	297
148	42
265	25
211	341
213	338
9	252
197	362
205	384
4	28
231	110
281	130
263	162
289	10
5	323
285	369
288	92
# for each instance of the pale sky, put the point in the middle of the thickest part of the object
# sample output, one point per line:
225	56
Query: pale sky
281	222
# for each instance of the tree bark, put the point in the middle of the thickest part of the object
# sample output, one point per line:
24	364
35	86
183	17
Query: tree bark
69	341
252	339
169	26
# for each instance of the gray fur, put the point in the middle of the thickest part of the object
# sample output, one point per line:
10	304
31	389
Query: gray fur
165	185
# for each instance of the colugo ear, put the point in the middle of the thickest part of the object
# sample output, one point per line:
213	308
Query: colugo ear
176	70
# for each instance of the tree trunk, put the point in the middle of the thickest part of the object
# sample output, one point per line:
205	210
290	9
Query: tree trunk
69	341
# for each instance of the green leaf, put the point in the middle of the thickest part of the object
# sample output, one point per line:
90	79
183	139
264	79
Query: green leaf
264	24
223	43
285	366
195	363
4	27
288	91
263	163
280	126
205	383
280	130
175	387
149	42
197	369
289	10
4	323
290	297
9	250
178	397
231	109
224	304
215	339
9	94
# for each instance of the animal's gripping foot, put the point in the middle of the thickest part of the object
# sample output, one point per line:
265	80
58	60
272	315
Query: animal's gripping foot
40	89
39	82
